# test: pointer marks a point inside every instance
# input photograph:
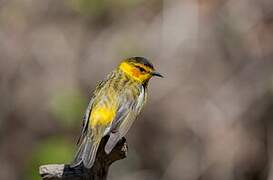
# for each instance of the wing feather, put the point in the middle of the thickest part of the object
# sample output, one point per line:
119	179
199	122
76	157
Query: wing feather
124	119
133	111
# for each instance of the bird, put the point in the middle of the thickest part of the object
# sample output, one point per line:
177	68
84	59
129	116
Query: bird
115	104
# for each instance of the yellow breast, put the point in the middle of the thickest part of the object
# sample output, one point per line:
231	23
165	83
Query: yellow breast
102	116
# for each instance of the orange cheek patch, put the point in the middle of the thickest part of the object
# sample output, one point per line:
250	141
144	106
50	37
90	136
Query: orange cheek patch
135	73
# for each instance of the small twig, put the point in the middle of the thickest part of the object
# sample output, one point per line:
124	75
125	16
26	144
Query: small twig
99	170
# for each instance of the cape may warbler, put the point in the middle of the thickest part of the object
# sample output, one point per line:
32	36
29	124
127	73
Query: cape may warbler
115	104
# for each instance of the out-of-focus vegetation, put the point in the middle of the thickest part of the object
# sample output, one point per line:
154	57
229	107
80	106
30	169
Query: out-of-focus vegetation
209	118
50	150
97	8
67	107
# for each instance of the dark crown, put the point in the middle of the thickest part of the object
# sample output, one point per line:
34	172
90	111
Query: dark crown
141	60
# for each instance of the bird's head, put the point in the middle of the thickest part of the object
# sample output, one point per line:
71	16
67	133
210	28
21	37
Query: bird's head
139	69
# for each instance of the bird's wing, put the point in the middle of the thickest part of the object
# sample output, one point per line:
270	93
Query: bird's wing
87	114
122	113
133	110
126	114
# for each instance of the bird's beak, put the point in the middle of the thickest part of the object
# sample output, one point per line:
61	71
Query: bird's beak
154	73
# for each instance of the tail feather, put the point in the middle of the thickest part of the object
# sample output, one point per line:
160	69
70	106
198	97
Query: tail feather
89	155
86	153
78	158
112	141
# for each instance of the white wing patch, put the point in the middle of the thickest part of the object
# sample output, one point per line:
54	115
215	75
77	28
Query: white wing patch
140	100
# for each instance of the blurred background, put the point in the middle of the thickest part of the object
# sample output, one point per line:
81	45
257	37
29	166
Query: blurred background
210	118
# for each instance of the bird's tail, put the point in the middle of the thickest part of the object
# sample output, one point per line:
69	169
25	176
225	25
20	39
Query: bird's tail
86	153
112	141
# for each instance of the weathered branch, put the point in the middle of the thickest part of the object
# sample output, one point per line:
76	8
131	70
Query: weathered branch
97	172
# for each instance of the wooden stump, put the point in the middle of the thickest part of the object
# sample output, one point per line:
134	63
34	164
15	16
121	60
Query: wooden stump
99	170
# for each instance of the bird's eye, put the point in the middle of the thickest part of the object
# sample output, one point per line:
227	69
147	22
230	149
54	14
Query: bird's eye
141	69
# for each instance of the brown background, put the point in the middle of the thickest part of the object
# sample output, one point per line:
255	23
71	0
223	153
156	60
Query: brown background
210	118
